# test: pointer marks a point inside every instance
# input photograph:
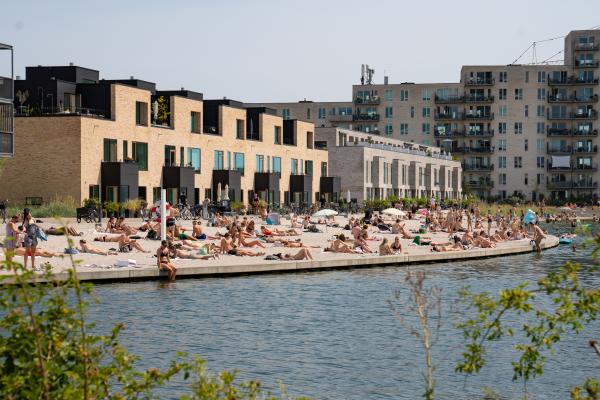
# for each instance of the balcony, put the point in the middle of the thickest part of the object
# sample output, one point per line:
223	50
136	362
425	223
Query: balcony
585	132
177	177
585	47
585	185
571	80
479	82
559	150
565	185
479	134
366	117
453	116
586	64
374	100
27	111
479	184
589	114
449	100
479	116
572	99
578	168
230	178
586	150
341	118
438	134
480	150
553	132
477	167
472	98
560	185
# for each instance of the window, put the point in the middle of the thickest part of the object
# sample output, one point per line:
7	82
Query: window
526	111
426	112
169	155
141	113
412	112
518	94
285	113
526	145
502	145
322	113
425	128
345	111
110	150
502	111
540	179
404	129
277	135
518	128
540	144
156	194
526	179
502	178
294	166
541	127
389	129
541	94
139	151
518	162
125	150
502	94
526	76
308	113
541	111
388	112
425	95
238	162
503	76
323	168
404	95
310	140
502	128
277	165
308	167
541	76
540	162
218	160
502	162
193	156
260	161
389	94
195	122
239	129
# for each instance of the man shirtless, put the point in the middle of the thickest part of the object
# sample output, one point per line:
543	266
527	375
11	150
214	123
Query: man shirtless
538	236
84	247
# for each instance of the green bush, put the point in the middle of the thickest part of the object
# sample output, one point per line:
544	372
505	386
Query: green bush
91	203
238	206
58	208
112	207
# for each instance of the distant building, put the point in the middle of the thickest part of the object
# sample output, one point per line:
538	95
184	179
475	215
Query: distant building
529	130
6	109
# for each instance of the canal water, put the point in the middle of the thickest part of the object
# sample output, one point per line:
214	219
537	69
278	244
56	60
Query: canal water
332	335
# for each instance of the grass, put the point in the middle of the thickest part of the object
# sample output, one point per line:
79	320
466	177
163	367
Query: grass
65	208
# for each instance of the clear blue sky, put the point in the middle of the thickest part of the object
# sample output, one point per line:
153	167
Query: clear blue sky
284	50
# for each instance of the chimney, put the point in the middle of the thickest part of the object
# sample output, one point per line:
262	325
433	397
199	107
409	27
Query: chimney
385	80
18	77
182	89
71	64
131	77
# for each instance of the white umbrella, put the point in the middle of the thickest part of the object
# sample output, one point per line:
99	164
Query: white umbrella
219	192
326	212
394	211
348	198
226	193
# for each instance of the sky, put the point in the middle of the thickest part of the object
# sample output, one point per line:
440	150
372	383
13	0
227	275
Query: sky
284	50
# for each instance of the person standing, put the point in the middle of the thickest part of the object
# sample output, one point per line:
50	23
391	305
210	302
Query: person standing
30	241
10	242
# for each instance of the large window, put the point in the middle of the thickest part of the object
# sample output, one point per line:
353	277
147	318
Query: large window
277	165
260	163
140	155
238	162
110	150
277	135
194	159
294	166
195	122
308	167
141	113
169	155
323	168
218	160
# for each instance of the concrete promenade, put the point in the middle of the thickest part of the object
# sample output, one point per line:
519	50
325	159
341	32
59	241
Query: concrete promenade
98	268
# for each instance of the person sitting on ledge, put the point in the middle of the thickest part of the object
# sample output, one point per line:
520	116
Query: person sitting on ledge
84	247
339	245
385	249
242	242
163	260
397	245
302	254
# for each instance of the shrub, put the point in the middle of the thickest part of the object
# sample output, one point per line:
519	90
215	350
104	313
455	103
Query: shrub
112	207
91	203
58	207
238	206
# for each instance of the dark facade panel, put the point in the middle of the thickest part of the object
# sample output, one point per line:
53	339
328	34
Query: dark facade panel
180	178
181	93
301	184
68	73
289	130
96	98
266	181
232	178
138	83
6	88
330	184
121	174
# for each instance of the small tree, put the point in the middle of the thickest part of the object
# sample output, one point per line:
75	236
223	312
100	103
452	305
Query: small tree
163	114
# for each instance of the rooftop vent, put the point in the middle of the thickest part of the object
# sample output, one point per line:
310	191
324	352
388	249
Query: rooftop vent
18	77
71	64
182	88
131	77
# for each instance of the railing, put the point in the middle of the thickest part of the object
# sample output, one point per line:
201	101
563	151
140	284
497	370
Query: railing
585	132
477	167
399	149
579	150
467	149
23	111
578	168
585	46
572	80
473	98
479	82
449	99
572	185
456	116
436	133
560	150
587	114
483	184
560	185
572	99
367	100
586	64
366	117
6	118
477	115
470	133
559	132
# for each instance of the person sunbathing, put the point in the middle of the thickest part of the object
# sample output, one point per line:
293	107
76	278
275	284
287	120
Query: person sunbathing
123	227
339	245
302	254
385	249
242	242
235	251
482	242
63	230
175	252
106	238
110	225
360	245
467	238
84	247
20	251
402	231
296	244
287	232
447	247
146	226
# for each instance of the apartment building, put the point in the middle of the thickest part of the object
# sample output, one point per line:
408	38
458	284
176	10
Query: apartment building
527	130
375	167
6	108
83	137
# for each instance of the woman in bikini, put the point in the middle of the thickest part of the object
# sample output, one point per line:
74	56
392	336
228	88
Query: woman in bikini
385	249
397	245
163	260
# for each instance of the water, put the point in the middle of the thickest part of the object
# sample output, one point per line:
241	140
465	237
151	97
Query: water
332	335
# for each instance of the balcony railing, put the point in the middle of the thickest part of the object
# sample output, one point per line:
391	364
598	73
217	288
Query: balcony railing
477	167
467	149
572	150
576	168
585	114
559	132
479	116
585	132
23	111
585	47
473	81
473	98
562	185
449	99
366	117
586	64
589	150
436	133
481	184
572	99
572	80
367	100
454	116
470	133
